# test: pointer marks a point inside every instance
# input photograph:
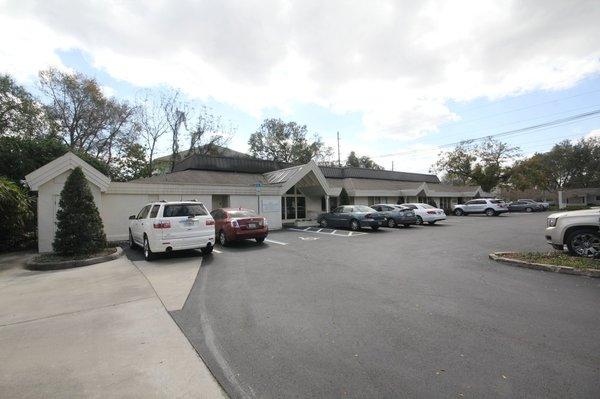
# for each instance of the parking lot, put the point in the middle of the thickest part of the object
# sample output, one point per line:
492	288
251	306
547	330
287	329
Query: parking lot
409	312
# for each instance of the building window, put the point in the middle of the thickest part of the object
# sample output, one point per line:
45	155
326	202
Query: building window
376	200
220	201
400	200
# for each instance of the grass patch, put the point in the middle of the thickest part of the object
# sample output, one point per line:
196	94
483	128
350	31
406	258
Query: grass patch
52	258
556	258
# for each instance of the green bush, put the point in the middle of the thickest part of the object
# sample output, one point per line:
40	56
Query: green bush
79	226
15	214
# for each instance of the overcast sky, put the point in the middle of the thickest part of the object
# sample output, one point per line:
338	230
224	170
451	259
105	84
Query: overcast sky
391	76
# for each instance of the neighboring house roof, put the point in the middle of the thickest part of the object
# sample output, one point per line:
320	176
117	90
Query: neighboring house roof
216	150
207	177
62	164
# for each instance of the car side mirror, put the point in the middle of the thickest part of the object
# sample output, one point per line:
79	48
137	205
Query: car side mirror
132	217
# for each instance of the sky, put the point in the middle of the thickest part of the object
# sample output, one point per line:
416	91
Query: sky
396	79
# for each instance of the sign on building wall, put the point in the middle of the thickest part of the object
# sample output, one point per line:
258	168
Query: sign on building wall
270	205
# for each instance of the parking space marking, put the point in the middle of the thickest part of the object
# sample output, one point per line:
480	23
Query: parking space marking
329	233
276	242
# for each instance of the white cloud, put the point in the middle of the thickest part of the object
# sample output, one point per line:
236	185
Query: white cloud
397	63
594	133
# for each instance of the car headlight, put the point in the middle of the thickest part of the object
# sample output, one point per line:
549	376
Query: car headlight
551	222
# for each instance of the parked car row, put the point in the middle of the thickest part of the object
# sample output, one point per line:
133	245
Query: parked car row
356	217
171	226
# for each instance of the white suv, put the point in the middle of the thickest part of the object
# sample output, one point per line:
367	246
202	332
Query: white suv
170	226
578	230
489	206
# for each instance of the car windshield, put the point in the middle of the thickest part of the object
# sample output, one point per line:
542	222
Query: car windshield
180	210
363	208
241	214
427	206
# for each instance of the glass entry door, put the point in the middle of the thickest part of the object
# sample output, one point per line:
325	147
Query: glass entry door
293	206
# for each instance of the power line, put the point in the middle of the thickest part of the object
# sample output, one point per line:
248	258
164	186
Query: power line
524	130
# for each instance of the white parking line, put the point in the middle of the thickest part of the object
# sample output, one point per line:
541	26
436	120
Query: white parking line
276	242
331	233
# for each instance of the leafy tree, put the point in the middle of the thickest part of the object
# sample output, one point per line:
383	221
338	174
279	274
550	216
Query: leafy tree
361	162
485	164
20	114
87	120
20	156
15	213
132	164
281	141
79	226
344	198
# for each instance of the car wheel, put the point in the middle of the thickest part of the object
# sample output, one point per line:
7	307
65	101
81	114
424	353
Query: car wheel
490	212
131	242
260	240
206	250
323	223
584	242
354	225
458	212
391	223
223	238
419	220
148	254
528	210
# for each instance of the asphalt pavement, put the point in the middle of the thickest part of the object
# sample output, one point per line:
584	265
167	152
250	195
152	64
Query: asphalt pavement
418	312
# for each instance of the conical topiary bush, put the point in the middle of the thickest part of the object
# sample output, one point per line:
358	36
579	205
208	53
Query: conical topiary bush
344	199
79	227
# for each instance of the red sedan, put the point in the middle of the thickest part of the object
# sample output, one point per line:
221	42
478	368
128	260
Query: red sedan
233	224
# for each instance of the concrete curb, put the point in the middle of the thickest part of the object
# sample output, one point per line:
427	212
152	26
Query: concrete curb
498	256
69	264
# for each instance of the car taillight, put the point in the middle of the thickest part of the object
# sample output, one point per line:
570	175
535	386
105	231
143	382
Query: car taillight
210	222
234	223
163	224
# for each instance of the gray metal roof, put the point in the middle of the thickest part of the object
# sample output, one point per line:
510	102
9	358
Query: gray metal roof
253	165
282	175
362	173
207	177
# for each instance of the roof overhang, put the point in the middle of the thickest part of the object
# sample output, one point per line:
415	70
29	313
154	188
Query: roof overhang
62	164
302	172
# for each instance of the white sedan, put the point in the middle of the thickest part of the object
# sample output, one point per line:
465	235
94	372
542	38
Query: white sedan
426	213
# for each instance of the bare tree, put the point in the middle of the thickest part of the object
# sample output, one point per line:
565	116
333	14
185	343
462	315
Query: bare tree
208	133
152	124
176	112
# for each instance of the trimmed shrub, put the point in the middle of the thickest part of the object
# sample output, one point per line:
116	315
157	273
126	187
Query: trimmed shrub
344	199
15	214
79	226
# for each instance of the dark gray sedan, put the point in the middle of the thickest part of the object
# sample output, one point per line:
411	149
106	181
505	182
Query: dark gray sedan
353	217
396	215
524	206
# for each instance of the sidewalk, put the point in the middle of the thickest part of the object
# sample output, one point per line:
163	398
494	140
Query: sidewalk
95	331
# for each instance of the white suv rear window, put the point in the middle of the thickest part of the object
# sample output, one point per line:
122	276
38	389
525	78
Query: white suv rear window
180	210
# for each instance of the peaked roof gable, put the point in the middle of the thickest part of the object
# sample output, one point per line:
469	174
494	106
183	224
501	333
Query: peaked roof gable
62	164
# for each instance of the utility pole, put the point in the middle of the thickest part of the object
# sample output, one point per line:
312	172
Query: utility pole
338	141
392	166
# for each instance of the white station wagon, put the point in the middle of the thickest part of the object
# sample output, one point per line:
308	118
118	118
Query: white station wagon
171	226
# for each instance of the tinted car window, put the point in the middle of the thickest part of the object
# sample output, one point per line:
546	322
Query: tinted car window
476	202
154	211
179	210
241	214
144	212
496	201
427	206
363	208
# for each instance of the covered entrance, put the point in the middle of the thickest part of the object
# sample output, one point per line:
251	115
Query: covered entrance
293	206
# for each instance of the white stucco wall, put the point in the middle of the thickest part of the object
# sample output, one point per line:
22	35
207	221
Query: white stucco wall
313	207
47	206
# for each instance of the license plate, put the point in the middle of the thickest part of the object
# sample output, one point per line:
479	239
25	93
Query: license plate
252	225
